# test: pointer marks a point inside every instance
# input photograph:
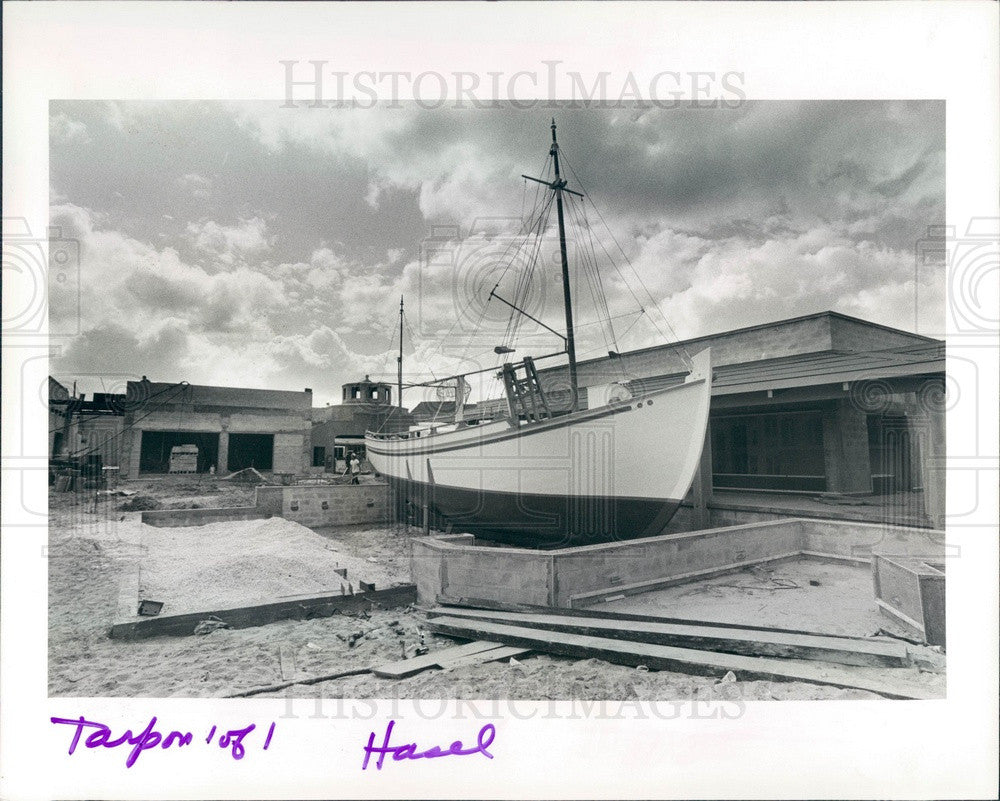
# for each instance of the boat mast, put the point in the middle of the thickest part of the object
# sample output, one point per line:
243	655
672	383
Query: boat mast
557	187
399	359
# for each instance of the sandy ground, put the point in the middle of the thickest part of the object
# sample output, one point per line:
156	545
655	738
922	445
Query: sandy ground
239	563
89	551
781	595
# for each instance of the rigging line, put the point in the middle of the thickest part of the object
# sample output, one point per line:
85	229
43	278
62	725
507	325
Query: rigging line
519	242
409	330
616	317
592	271
524	226
676	344
522	296
389	349
521	289
461	313
524	284
600	280
589	262
588	272
603	295
632	325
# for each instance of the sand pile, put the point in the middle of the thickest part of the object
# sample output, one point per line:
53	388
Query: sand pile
220	565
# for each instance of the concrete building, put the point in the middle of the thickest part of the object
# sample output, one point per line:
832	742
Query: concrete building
234	428
823	404
340	430
82	427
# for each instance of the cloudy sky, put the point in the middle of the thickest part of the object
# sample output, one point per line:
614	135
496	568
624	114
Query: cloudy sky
246	244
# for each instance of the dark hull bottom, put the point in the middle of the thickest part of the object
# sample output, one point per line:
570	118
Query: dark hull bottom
541	521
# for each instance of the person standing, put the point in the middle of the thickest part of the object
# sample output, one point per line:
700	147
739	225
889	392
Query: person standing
355	469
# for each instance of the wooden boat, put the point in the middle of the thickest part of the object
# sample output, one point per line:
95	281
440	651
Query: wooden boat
612	463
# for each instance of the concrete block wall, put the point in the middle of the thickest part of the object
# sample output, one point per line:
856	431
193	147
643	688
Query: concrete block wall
427	559
338	505
509	576
269	500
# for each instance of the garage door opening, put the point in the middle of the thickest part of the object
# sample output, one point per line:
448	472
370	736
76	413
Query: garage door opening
251	450
154	456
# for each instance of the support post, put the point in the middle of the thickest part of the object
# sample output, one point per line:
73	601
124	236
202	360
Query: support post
136	453
222	462
702	486
934	464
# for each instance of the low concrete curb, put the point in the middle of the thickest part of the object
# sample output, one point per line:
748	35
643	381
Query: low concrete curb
303	607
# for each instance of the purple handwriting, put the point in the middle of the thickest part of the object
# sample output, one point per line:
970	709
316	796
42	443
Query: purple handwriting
409	750
150	738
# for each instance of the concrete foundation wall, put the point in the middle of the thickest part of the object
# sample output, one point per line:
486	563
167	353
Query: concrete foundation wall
341	505
560	577
661	559
861	540
911	593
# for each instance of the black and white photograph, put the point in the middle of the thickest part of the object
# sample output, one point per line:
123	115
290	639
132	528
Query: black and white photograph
677	371
379	406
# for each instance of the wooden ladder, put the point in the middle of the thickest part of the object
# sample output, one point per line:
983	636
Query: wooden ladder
525	395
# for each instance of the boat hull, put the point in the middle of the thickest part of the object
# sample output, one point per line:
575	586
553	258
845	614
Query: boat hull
611	473
539	520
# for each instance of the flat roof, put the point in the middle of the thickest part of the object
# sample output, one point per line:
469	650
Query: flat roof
760	327
829	367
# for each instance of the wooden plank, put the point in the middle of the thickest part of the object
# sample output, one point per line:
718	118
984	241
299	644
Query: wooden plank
493	655
480	603
410	667
665	657
736	641
302	608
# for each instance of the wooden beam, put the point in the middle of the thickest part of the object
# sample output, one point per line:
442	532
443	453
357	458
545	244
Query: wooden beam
734	641
481	603
663	657
242	617
493	655
410	667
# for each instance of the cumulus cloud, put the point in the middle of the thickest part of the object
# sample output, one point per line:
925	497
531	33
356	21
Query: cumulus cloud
229	243
270	246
